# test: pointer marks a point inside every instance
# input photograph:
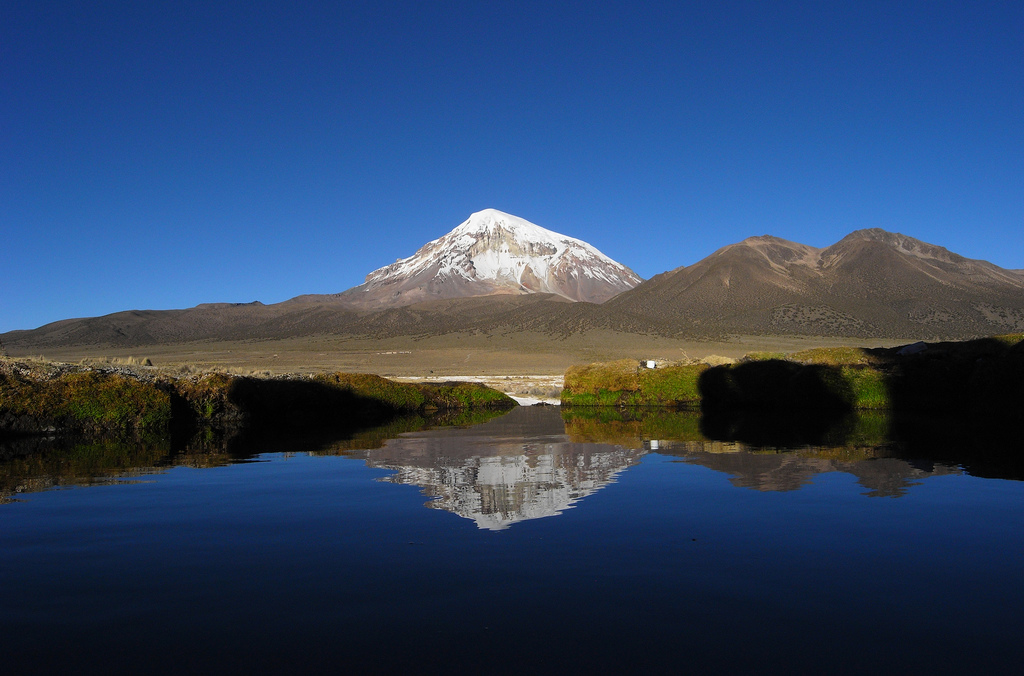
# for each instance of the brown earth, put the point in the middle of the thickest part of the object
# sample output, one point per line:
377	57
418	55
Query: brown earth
763	294
871	284
457	354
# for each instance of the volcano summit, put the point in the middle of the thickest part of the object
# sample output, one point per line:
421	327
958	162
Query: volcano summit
494	253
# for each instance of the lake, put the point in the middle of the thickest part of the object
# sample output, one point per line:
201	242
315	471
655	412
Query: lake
534	542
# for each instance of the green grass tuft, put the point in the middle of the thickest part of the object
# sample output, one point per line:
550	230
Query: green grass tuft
764	356
623	383
86	402
868	386
394	395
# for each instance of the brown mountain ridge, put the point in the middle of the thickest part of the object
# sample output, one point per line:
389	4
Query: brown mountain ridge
870	284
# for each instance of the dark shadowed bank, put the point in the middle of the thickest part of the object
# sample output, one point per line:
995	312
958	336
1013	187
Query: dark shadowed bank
979	375
49	398
958	401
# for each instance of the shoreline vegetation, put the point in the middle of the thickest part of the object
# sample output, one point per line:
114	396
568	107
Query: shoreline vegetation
958	403
47	398
39	397
984	375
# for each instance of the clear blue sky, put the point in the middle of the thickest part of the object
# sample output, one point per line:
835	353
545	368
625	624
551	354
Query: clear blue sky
163	154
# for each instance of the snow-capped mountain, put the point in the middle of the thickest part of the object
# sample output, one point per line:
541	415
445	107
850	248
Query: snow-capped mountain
495	253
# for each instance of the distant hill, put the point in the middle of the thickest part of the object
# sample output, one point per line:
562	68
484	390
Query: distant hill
871	284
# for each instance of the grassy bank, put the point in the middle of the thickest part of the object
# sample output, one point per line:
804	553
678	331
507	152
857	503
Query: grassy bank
983	375
625	383
45	397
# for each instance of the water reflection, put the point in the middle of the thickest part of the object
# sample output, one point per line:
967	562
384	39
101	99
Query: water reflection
771	470
887	456
31	464
498	469
37	464
521	466
673	562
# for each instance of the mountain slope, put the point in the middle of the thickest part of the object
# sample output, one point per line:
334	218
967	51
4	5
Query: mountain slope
871	283
494	253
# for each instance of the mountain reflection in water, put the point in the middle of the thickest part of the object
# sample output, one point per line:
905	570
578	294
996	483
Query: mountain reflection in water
790	470
266	554
886	454
517	467
498	469
538	461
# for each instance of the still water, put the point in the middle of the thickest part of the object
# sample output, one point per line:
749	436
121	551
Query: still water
526	544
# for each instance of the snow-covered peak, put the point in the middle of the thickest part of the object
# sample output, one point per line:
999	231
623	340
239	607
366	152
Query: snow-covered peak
519	229
493	252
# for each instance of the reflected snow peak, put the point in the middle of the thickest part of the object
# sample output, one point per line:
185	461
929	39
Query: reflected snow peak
496	476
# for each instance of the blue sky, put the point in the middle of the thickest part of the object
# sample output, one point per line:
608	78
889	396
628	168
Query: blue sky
163	154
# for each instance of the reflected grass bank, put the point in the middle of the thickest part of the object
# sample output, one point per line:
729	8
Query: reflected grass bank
984	446
30	464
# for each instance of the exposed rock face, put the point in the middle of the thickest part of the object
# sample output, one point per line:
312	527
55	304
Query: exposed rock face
495	253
